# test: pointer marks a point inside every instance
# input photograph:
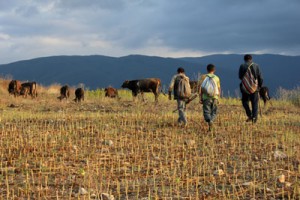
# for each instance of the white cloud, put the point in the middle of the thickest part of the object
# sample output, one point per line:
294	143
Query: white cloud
4	36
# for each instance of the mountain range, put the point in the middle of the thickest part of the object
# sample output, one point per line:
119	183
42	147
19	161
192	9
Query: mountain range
98	71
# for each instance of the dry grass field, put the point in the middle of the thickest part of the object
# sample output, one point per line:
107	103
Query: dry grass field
134	150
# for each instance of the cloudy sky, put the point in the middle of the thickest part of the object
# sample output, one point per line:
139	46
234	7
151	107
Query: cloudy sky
169	28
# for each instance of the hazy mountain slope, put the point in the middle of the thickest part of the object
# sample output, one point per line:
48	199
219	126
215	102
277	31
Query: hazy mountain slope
100	71
93	71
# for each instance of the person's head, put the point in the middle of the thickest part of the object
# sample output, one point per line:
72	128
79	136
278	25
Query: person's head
180	70
211	68
247	58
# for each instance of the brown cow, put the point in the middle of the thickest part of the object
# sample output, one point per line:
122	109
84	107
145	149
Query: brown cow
79	95
14	87
64	92
144	85
32	88
194	86
111	92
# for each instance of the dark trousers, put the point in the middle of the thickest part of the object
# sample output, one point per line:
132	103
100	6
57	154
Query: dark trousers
253	98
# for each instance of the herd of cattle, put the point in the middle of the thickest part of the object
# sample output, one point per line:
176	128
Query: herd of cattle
17	88
153	85
141	86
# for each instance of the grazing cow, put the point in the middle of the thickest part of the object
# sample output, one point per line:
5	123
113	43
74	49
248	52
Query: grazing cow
14	87
24	91
111	92
264	94
194	86
144	85
32	88
64	92
79	95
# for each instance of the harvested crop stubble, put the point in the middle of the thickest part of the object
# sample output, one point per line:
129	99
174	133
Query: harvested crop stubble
124	149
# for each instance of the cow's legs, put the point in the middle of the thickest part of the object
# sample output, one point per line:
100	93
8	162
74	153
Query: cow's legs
134	95
156	97
142	93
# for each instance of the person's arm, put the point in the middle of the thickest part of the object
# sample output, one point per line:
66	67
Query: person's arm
259	77
171	86
219	87
200	91
200	96
241	72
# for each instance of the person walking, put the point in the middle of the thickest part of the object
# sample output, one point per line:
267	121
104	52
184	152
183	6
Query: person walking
251	81
182	91
209	94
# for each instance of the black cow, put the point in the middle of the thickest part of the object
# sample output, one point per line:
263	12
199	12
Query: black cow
64	92
24	91
14	87
264	94
79	95
144	85
31	87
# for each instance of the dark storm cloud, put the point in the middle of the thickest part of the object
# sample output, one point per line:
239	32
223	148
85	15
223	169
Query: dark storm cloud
229	25
157	27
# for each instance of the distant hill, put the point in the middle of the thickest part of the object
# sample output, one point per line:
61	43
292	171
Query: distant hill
100	71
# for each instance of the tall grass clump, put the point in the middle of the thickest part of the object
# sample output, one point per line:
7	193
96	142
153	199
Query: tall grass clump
292	96
4	81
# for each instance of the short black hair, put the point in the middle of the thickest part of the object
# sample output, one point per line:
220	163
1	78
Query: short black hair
210	67
247	57
180	70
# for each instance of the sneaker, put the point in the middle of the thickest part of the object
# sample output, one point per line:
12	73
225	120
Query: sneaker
254	120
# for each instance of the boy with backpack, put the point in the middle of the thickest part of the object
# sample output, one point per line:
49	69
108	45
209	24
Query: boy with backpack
209	94
182	91
250	75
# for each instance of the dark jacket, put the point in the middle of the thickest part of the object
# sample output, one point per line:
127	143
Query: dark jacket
255	71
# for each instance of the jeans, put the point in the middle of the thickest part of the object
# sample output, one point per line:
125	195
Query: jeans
181	106
210	108
253	98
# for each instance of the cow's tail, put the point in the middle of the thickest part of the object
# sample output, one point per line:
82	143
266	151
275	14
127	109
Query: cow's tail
34	90
267	95
160	88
